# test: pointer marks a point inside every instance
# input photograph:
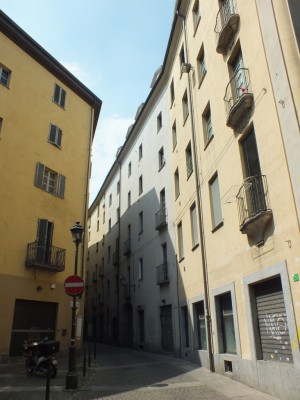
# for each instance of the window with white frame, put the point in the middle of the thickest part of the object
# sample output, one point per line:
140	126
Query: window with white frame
215	200
161	159
207	125
176	184
55	135
4	76
185	106
194	225
180	241
226	322
59	96
199	323
201	65
50	181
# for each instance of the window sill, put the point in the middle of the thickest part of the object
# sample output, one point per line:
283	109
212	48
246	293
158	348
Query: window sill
195	246
208	142
63	108
217	227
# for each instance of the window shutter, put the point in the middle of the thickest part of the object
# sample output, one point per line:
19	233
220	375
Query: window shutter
61	186
39	175
59	136
52	134
63	97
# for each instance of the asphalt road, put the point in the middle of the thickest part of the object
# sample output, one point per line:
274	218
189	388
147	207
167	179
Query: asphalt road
121	374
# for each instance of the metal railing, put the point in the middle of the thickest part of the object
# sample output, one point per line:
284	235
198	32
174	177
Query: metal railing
127	247
45	257
227	9
162	276
161	218
237	87
252	198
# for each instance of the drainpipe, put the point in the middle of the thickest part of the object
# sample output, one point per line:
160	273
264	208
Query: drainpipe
200	215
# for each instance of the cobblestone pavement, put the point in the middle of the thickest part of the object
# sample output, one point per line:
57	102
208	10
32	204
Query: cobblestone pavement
121	374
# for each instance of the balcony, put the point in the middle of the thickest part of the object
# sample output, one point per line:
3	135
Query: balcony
115	259
238	99
127	247
47	258
162	277
254	207
227	24
161	219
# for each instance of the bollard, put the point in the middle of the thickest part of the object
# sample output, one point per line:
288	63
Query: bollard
84	361
89	363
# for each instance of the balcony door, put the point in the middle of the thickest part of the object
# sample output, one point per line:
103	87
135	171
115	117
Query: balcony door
239	81
44	241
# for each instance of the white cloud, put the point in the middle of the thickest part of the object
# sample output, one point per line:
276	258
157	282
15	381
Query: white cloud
109	136
78	71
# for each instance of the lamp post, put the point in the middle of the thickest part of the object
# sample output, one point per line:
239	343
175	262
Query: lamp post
72	376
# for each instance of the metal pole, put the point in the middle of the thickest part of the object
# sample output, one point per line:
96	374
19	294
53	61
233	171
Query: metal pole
84	361
48	380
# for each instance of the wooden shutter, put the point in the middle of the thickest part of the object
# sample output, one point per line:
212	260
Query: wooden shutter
59	136
39	175
56	93
61	186
52	135
62	97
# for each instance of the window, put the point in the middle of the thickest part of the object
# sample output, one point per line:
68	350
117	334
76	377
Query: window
185	320
50	181
174	135
162	198
97	247
109	225
185	107
196	14
227	324
181	56
98	226
172	92
118	214
189	160
129	199
141	184
55	135
110	200
98	210
44	241
238	71
216	210
4	76
1	122
159	122
207	125
180	241
140	271
108	254
118	187
140	151
201	65
199	319
194	225
141	222
161	159
103	217
129	169
59	95
176	183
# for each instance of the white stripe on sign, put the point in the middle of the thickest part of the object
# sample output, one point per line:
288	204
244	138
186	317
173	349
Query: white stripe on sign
75	284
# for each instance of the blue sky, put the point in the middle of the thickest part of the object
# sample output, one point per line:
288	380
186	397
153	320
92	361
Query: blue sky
112	46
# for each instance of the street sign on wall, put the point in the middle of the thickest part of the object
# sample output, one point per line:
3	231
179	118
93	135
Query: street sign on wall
74	285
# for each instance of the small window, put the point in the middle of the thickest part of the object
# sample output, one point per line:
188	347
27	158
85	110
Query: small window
129	169
161	159
118	214
141	184
103	217
189	160
50	181
216	210
141	222
199	323
109	225
180	242
55	135
194	225
129	199
98	210
201	66
196	14
176	183
182	56
159	122
140	151
207	125
98	226
185	107
172	92
4	76
110	200
228	342
59	95
174	135
118	187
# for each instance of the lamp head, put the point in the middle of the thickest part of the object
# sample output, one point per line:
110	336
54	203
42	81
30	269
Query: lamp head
77	232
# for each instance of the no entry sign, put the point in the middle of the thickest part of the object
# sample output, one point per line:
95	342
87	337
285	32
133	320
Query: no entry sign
74	285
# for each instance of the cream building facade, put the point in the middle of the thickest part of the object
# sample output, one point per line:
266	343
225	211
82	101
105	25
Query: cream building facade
230	78
47	123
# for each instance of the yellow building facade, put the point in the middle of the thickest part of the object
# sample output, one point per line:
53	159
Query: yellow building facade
47	123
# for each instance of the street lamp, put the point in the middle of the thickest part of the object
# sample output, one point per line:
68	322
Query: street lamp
72	376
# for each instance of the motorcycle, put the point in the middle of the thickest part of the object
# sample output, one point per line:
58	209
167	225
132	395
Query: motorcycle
37	362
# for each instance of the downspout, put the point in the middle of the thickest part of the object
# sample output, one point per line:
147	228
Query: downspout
200	215
88	172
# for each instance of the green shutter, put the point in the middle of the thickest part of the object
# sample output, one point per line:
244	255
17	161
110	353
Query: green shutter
59	136
61	186
63	97
56	93
39	174
52	134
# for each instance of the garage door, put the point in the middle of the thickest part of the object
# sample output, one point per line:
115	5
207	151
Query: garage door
33	320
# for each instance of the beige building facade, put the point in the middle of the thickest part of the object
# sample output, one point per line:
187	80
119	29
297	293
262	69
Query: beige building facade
47	123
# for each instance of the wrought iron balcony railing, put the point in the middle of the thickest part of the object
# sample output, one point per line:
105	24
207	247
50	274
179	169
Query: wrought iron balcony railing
127	247
161	218
254	206
227	23
238	98
162	276
48	258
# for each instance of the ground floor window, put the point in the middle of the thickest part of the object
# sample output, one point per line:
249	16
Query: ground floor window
227	323
199	322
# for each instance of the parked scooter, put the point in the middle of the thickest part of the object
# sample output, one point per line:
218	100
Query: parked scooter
36	361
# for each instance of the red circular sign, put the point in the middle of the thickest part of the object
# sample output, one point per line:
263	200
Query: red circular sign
74	285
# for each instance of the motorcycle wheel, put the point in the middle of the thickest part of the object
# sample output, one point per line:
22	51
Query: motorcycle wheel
29	367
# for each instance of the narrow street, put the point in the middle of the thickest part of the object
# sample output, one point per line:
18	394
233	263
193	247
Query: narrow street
126	375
